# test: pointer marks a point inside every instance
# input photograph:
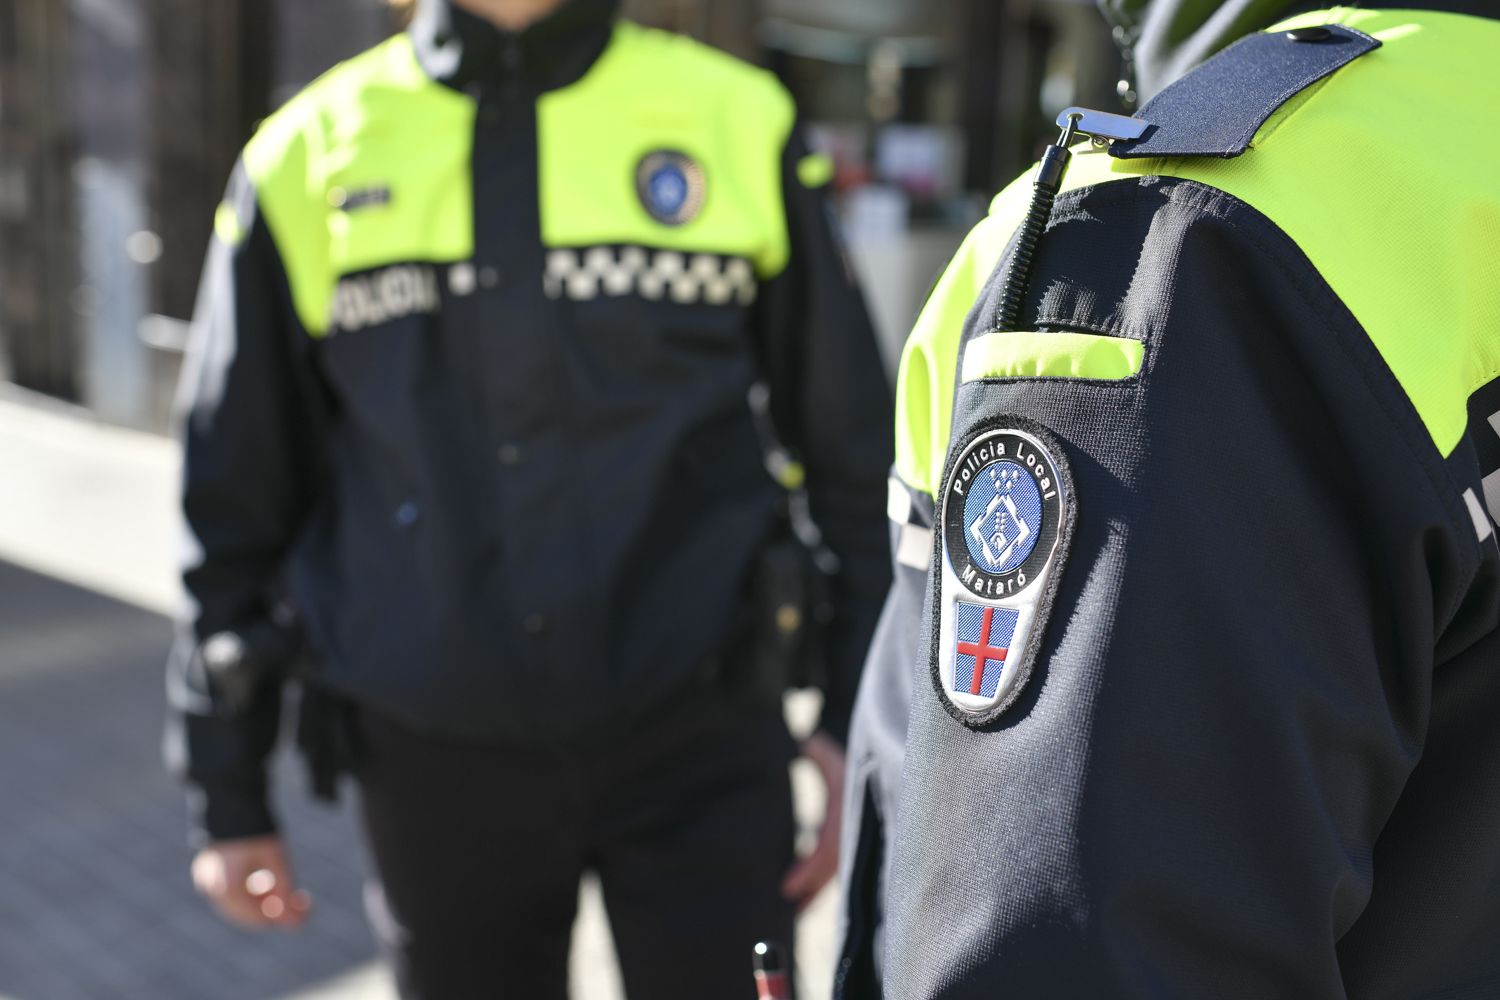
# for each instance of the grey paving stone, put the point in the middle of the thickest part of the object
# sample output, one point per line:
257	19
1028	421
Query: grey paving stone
93	861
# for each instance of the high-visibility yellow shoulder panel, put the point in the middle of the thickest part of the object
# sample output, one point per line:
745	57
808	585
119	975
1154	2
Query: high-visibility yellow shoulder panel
924	381
1379	175
651	91
1382	177
374	125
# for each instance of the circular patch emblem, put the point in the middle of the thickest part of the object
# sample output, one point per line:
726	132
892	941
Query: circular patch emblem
1004	513
1003	510
670	186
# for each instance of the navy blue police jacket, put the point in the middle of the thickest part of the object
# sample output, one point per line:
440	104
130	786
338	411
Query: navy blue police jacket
468	391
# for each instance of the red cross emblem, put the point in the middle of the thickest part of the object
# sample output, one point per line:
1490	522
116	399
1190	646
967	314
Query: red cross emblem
982	651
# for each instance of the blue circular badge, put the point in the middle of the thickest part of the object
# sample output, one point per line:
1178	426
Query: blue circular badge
670	185
667	189
1002	516
1004	504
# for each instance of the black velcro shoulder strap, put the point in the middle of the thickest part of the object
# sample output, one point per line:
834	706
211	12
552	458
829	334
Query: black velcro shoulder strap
1217	108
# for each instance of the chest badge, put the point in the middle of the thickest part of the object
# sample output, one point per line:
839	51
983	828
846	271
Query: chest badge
670	185
1007	518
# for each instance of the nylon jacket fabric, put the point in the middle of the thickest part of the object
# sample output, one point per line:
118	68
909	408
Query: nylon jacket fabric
510	501
1255	757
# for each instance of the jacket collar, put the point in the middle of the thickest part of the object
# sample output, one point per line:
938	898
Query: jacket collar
466	52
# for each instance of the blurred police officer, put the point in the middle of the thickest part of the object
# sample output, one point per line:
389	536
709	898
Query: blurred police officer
1188	682
467	405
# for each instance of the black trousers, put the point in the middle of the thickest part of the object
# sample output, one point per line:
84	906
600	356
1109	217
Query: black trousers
479	849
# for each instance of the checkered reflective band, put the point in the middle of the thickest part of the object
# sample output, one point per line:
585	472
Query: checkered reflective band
583	273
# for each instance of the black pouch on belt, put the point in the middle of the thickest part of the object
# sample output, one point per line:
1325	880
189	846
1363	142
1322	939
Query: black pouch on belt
792	611
328	738
232	666
792	606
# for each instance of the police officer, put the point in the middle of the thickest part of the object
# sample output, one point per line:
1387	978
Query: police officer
1196	628
467	407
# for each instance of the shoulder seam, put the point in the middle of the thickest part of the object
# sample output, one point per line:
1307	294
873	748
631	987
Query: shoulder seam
305	109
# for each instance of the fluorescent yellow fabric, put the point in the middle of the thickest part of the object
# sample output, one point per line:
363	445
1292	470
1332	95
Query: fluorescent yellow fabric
1030	354
656	91
924	382
376	121
1382	178
1379	174
815	170
227	225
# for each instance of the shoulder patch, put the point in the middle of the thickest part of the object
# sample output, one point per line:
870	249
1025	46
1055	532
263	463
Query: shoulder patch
1216	109
1005	521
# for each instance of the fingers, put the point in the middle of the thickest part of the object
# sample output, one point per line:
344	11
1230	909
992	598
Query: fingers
250	883
824	751
808	877
280	902
215	882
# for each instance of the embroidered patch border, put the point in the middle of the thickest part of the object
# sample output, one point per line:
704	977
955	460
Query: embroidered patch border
1006	518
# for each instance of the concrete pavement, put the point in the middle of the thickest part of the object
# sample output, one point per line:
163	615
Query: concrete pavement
94	897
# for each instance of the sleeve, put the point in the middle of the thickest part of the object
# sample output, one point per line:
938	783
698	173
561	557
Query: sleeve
877	737
248	417
877	741
831	406
1234	677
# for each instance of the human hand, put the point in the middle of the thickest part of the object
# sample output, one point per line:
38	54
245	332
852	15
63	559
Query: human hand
250	883
809	875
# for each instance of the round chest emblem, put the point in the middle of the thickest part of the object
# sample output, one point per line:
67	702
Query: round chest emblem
670	186
1002	510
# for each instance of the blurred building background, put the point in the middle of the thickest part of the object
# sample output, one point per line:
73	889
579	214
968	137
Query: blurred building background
120	120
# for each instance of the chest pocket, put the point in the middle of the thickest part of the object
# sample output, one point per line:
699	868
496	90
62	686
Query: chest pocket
1025	354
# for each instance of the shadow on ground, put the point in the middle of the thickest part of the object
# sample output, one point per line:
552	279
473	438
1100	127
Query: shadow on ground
94	895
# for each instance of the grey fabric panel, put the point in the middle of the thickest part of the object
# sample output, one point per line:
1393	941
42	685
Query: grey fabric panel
877	742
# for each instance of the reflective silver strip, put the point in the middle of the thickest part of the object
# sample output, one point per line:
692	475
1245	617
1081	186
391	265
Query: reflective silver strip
1491	486
897	501
379	296
1482	526
586	273
461	280
914	547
